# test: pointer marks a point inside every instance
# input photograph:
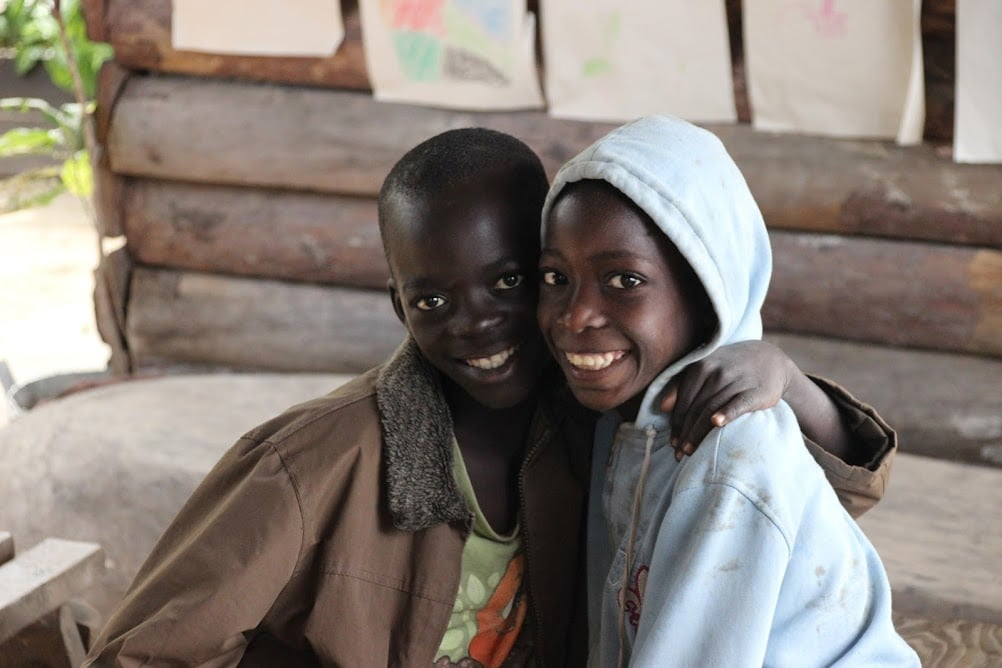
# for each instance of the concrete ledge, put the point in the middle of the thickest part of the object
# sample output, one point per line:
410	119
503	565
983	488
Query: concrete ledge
939	533
113	464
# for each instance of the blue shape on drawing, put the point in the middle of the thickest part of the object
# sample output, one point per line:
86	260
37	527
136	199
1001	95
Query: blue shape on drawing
493	15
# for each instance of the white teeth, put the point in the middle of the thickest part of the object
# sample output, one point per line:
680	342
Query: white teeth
492	362
593	361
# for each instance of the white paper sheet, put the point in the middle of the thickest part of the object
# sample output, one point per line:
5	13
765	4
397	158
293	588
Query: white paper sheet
977	129
258	27
461	54
843	68
614	61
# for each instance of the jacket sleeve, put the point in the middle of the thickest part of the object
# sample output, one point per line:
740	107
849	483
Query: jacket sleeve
859	488
215	572
713	584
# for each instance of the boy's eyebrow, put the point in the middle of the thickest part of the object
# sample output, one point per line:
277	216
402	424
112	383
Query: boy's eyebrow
490	268
417	284
602	255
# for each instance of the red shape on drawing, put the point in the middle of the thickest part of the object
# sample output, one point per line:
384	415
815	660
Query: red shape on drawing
418	15
828	22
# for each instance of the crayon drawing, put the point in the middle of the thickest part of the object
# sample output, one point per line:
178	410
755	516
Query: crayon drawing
455	53
604	62
843	68
826	20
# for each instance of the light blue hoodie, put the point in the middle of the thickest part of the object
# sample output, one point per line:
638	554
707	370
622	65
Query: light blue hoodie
741	555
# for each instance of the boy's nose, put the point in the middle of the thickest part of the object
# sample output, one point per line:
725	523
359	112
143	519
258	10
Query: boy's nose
474	318
581	311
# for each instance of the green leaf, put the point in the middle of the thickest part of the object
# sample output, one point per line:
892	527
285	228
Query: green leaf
59	71
32	188
77	176
29	141
28	104
26	58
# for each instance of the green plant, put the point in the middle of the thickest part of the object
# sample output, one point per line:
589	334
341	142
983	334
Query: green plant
53	34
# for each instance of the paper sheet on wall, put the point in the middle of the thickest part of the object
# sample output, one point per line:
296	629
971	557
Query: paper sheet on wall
258	27
977	130
843	68
614	61
460	54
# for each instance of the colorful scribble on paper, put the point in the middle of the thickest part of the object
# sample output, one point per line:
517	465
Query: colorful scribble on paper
609	31
824	18
457	40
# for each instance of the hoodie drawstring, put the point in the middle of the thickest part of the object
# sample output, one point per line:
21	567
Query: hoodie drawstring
638	497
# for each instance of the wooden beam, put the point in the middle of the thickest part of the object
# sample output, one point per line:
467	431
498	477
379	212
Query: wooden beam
948	298
283	234
184	318
41	579
955	417
245	134
894	292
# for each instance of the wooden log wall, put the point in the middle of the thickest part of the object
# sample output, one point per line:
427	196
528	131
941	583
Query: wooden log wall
248	209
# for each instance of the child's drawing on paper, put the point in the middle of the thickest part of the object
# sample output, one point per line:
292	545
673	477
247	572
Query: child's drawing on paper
612	61
841	68
464	40
826	20
609	32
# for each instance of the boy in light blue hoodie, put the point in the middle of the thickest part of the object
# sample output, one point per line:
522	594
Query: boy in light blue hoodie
654	255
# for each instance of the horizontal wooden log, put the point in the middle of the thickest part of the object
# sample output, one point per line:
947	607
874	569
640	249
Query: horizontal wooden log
140	32
901	293
244	134
197	319
278	234
956	417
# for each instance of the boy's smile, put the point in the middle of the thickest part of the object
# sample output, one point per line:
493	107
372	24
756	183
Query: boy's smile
463	267
618	304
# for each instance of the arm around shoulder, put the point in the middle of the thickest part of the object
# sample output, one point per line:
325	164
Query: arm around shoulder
862	477
215	572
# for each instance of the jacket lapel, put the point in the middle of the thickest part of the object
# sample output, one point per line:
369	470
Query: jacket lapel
417	442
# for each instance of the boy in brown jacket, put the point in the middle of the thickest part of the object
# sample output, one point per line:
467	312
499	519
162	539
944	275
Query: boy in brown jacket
430	511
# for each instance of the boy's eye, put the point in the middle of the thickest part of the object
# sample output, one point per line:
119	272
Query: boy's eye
429	303
625	281
551	277
509	281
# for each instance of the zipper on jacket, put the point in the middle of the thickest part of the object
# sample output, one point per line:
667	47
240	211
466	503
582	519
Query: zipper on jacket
526	461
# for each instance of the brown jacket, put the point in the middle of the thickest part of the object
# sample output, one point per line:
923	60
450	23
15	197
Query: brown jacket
336	529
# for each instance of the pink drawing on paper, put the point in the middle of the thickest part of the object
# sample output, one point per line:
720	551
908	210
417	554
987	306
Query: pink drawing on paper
826	20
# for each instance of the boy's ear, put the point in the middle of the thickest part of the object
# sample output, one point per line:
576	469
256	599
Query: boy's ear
398	306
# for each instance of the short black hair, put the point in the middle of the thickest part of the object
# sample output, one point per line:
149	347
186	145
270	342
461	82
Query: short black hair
460	156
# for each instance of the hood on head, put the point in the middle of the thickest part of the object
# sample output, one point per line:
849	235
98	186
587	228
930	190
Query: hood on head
683	178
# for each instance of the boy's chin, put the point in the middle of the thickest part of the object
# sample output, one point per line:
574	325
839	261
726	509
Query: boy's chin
605	400
593	399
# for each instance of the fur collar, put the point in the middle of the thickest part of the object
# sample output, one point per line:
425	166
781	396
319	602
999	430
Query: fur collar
417	436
